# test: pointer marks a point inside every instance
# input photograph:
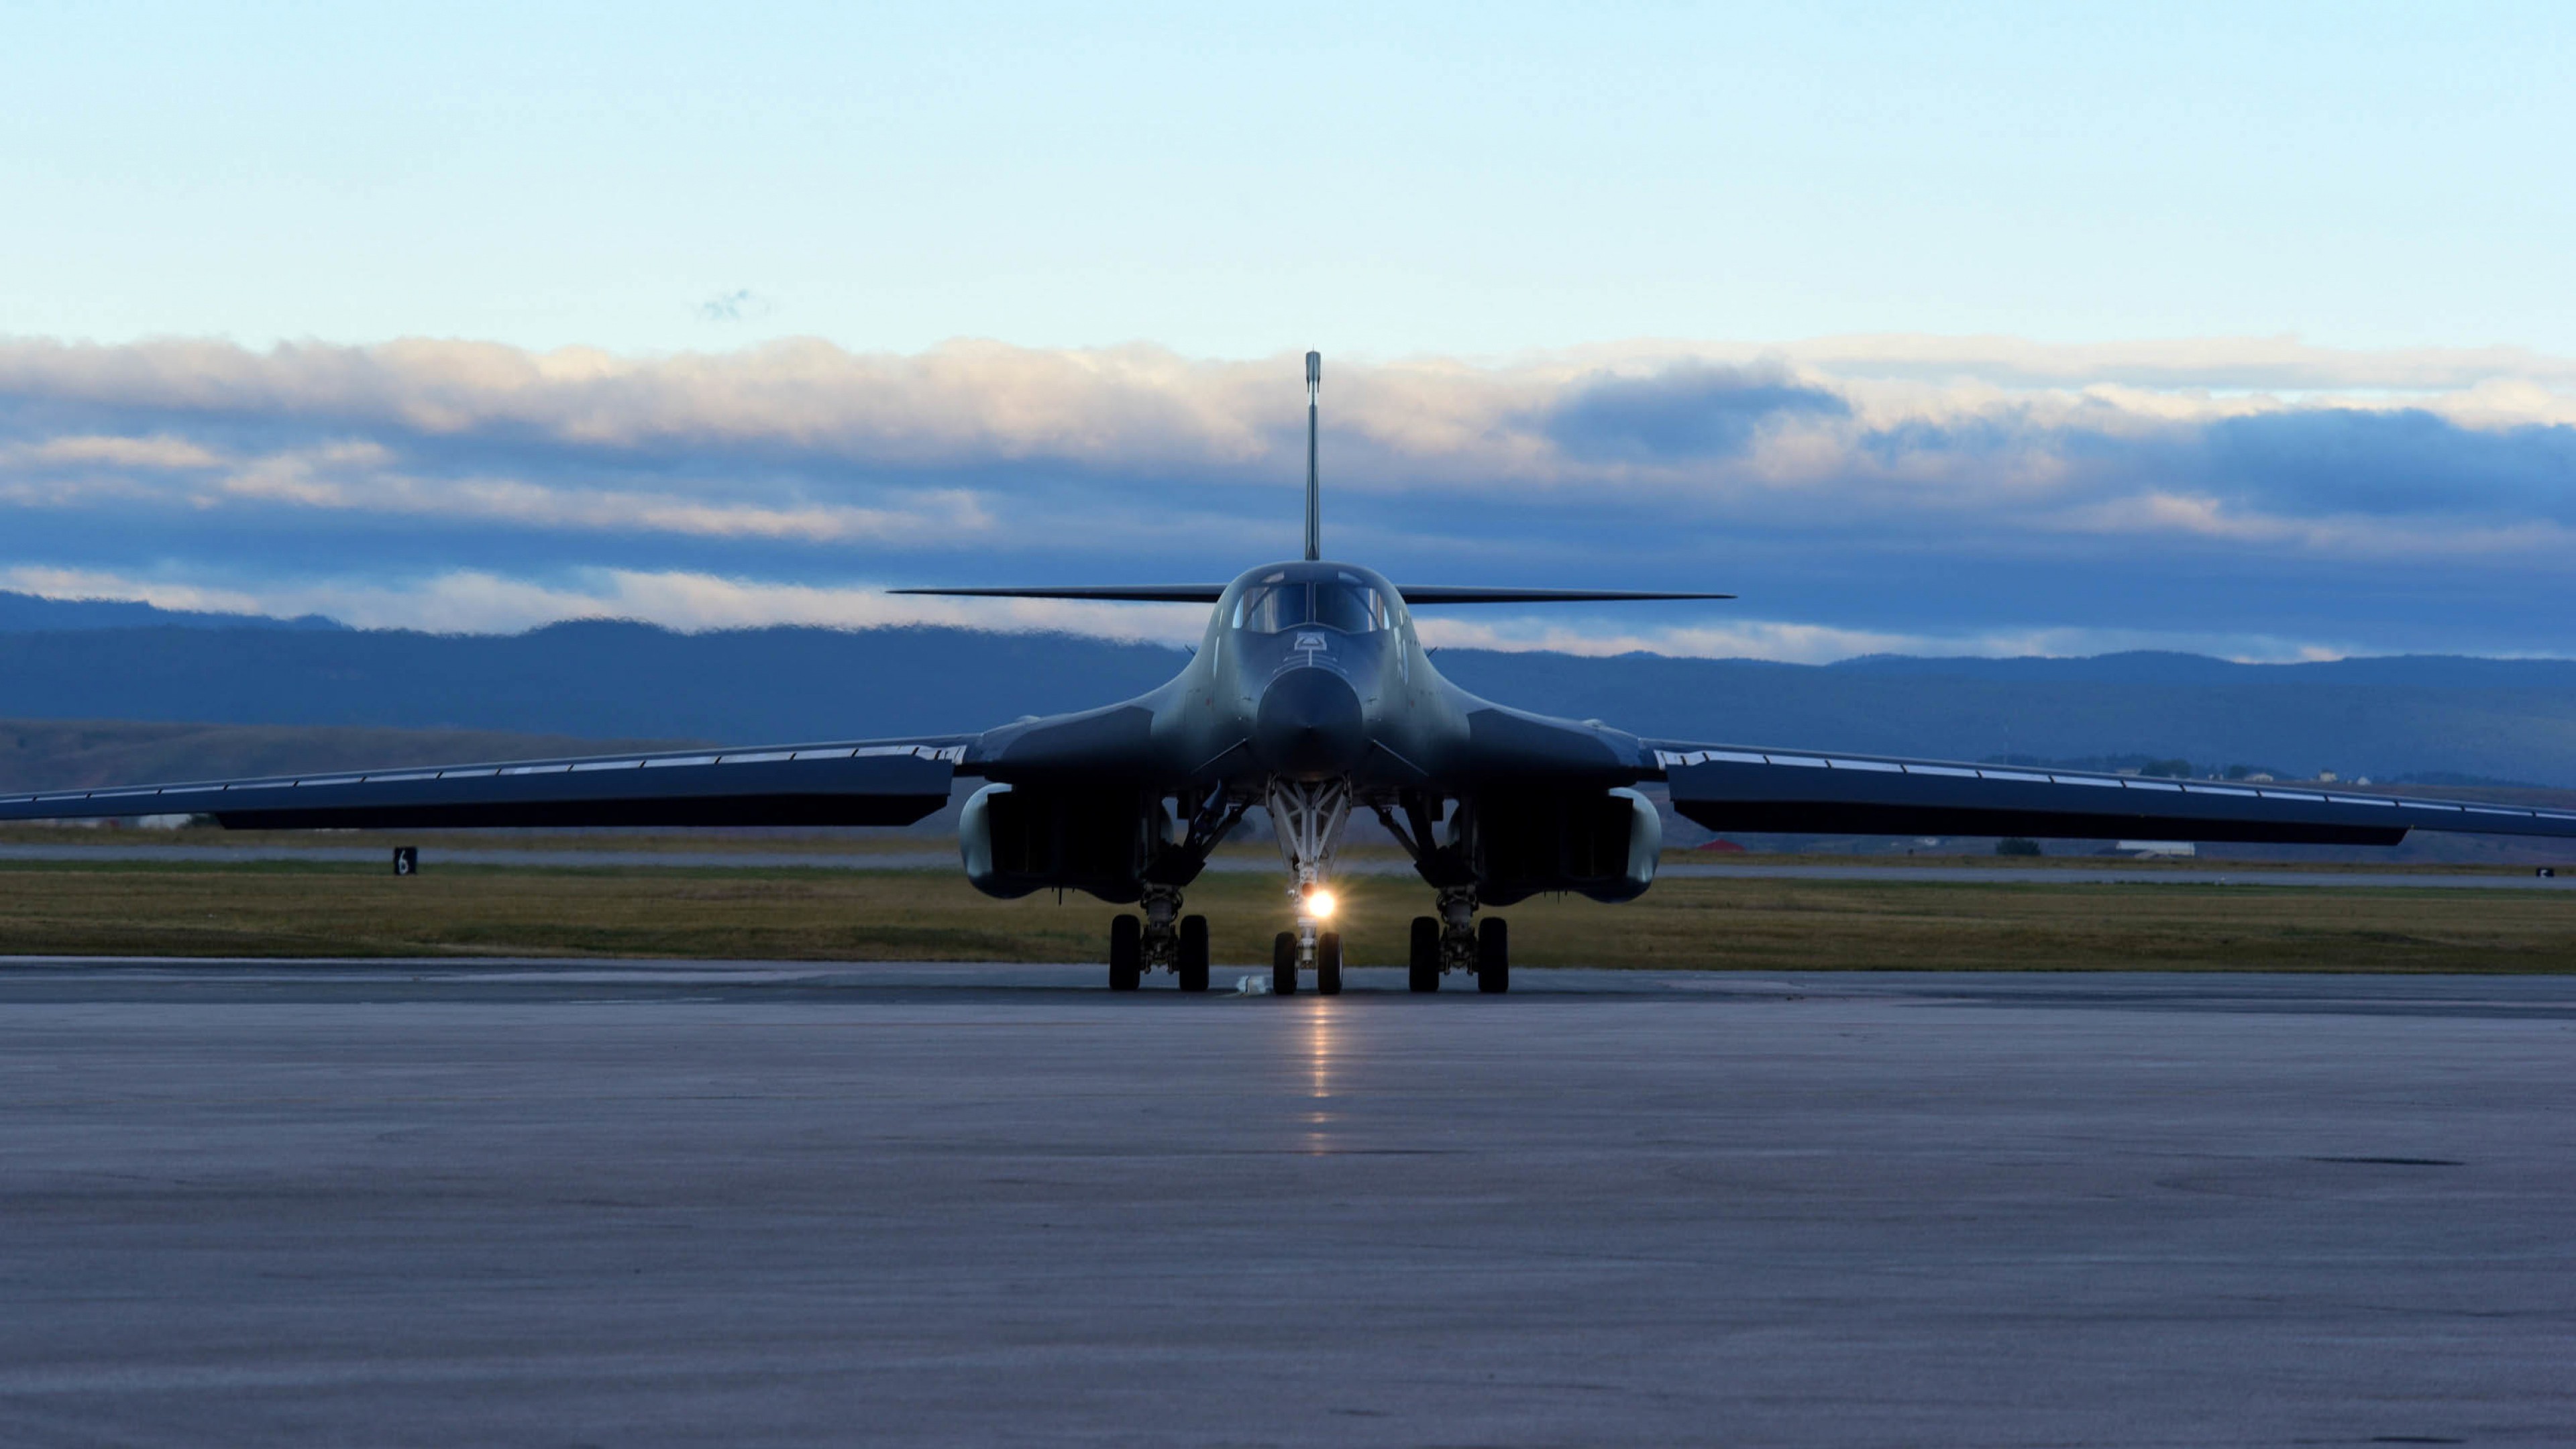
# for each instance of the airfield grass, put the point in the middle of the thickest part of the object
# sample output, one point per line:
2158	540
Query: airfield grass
328	909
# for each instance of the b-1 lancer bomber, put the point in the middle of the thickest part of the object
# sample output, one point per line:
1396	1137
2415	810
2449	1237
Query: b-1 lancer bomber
1310	697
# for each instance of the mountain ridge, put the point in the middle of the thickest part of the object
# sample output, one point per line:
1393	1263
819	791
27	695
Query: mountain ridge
2385	717
37	613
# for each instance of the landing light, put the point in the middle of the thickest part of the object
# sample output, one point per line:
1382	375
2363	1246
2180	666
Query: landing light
1319	903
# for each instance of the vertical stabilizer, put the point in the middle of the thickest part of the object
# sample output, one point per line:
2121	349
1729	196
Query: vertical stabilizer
1314	485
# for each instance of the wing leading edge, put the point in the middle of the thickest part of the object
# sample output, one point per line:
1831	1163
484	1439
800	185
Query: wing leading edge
868	782
1732	788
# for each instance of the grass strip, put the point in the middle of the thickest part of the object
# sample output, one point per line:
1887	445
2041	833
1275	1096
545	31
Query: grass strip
292	908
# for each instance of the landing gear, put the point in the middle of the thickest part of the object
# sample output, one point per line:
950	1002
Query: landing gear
1192	967
1162	907
1493	956
1328	963
1308	819
1126	953
1164	938
1455	940
1457	923
1283	964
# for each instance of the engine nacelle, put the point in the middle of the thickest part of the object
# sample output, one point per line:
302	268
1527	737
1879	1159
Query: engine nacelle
1016	839
1600	845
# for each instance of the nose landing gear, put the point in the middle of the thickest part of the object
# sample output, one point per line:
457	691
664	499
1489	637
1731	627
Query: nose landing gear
1308	818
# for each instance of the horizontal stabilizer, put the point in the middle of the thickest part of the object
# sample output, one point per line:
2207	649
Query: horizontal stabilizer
1440	595
1099	593
1210	593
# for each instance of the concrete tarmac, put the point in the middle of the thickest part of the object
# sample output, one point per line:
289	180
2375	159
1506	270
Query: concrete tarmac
631	1203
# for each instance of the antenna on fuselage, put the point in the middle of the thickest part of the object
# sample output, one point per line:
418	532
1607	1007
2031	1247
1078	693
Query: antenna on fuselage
1314	485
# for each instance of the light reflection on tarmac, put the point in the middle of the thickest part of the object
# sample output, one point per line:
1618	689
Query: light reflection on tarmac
681	1202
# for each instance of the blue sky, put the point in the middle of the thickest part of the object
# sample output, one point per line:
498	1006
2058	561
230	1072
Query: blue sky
2052	328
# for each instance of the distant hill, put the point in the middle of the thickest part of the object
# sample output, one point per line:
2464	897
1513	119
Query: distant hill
2428	671
2497	719
21	613
78	754
595	679
2492	718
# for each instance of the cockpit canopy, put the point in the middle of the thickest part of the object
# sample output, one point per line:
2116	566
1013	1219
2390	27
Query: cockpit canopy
1342	601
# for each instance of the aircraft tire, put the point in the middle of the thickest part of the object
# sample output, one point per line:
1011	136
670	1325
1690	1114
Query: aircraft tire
1126	953
1425	961
1493	956
1283	964
1192	968
1328	964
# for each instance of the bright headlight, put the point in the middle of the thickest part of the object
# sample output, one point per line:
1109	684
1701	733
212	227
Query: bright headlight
1319	903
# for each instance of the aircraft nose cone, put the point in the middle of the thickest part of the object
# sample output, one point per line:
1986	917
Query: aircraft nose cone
1309	725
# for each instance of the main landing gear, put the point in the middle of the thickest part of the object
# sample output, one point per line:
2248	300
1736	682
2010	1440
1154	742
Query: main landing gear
1192	967
1308	819
1163	938
1485	947
1455	941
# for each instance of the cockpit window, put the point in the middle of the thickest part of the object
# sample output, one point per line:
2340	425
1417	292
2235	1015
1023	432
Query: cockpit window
1270	608
1351	608
1343	604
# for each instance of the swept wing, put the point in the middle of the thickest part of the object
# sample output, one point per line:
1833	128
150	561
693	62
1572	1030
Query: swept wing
1732	787
849	782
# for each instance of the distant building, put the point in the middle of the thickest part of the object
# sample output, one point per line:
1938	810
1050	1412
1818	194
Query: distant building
1722	846
2325	777
2156	849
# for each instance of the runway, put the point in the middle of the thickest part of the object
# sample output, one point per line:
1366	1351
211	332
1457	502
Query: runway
647	1203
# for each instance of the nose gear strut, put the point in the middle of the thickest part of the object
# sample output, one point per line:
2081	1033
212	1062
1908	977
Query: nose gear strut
1308	819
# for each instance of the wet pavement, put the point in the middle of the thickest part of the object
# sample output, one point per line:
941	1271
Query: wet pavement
645	1203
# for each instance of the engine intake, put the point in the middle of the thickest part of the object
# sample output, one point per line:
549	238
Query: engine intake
1017	839
1604	846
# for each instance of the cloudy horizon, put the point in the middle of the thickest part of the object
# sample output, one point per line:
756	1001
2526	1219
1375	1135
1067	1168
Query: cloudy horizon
2250	498
1983	329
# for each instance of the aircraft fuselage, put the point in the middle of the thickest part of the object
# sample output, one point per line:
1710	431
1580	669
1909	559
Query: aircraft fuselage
1310	697
1309	672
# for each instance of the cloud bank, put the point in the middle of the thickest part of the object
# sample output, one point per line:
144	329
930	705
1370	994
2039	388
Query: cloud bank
2254	497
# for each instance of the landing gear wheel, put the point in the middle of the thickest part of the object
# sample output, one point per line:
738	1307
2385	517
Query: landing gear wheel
1493	955
1425	961
1283	964
1126	953
1192	968
1328	963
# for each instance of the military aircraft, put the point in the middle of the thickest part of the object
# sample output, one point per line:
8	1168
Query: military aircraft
1311	697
